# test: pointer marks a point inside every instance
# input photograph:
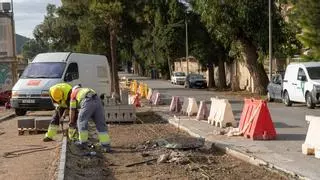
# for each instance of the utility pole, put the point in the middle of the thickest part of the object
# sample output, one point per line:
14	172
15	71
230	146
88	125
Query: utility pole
187	49
270	41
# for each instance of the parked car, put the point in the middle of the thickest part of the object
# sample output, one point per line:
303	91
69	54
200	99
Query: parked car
5	97
302	84
178	78
274	89
195	81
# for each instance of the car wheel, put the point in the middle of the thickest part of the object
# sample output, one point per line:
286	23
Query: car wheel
309	101
269	98
20	112
286	99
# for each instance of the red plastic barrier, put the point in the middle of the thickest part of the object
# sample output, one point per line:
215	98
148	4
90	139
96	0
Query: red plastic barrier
246	112
136	100
261	127
175	105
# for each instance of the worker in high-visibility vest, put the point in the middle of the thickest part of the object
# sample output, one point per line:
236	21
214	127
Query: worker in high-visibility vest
90	107
60	96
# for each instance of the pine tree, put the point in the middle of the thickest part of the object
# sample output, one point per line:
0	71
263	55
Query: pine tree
308	12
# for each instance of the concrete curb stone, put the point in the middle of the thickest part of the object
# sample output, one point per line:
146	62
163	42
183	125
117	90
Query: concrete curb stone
63	158
7	116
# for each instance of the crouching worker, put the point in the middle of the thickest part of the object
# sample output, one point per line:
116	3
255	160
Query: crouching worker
89	106
60	96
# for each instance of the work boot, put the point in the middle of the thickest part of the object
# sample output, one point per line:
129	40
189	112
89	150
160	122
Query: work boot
81	145
106	148
47	139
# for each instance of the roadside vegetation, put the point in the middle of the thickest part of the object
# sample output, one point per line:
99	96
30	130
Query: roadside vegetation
151	34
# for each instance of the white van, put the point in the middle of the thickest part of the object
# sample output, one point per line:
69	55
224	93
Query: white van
47	69
302	84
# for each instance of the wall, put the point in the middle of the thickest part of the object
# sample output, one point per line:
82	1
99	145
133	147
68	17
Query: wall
6	49
7	61
245	80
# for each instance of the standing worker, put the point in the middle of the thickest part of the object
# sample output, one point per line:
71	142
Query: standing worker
60	96
90	107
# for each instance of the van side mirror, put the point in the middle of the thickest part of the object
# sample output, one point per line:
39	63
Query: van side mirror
302	78
68	77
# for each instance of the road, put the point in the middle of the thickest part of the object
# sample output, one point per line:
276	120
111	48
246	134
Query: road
290	124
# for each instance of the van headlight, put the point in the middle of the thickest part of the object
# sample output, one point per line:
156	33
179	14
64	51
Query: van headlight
14	94
316	87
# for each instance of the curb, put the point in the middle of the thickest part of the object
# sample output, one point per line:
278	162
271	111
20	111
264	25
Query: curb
7	116
236	153
62	163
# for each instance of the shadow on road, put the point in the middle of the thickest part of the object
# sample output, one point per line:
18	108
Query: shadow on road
284	125
291	137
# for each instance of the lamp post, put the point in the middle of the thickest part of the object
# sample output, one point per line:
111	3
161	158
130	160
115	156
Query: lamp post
270	40
187	48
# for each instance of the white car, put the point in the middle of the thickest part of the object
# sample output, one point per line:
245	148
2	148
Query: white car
178	78
302	84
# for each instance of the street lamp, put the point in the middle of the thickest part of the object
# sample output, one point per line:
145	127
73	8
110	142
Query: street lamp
270	41
187	48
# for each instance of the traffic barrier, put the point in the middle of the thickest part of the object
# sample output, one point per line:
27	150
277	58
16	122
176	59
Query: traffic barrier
136	100
213	110
311	145
246	112
156	99
175	105
203	111
149	94
257	123
145	90
192	108
222	115
185	105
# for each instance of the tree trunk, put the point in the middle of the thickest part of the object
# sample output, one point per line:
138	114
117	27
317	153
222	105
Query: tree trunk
257	72
234	77
115	78
222	74
211	83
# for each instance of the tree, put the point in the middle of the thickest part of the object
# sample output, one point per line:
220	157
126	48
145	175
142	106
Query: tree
32	47
243	21
308	19
110	12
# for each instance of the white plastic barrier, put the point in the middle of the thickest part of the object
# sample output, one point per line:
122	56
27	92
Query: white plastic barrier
203	111
185	105
312	144
222	115
213	110
150	91
192	108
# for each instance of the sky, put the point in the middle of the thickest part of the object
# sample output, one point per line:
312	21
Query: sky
29	13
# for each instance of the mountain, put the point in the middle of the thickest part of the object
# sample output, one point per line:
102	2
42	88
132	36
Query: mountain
20	40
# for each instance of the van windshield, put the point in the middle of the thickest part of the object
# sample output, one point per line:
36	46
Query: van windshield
314	72
44	70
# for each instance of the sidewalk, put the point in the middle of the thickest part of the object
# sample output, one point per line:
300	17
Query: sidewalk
282	155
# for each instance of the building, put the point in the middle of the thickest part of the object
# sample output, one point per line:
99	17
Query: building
8	75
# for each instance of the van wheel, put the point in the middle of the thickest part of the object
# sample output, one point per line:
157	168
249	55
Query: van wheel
286	99
20	112
309	101
269	99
